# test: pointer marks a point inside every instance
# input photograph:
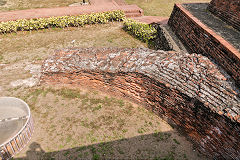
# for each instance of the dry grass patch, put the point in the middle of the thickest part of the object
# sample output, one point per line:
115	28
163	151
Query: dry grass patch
161	8
36	45
73	124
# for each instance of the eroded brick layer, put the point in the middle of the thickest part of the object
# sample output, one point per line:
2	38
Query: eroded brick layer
200	39
227	10
189	89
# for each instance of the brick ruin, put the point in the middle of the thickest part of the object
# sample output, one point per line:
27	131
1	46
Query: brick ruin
227	10
202	40
191	90
198	93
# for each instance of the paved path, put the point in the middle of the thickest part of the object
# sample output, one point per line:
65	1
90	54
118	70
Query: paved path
49	12
97	6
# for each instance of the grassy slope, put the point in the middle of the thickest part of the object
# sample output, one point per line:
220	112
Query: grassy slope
159	7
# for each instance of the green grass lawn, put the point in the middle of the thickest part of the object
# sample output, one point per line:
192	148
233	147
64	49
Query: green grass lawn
159	7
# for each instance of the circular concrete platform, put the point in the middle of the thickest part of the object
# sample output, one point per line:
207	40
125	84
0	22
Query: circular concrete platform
15	126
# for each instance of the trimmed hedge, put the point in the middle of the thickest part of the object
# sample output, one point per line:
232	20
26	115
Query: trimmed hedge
142	31
60	22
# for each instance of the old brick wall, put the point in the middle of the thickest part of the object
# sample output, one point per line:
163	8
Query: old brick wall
161	42
200	39
190	90
227	10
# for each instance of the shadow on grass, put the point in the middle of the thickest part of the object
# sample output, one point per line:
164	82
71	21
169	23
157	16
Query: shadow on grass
159	145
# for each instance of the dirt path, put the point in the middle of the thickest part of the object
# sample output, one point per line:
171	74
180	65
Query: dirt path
97	6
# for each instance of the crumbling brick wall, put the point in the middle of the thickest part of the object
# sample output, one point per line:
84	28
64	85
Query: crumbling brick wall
190	90
200	39
227	10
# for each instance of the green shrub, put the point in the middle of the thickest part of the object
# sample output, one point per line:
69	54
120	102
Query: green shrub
60	22
142	31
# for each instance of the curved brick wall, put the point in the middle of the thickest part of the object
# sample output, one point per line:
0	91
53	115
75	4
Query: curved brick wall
190	90
227	10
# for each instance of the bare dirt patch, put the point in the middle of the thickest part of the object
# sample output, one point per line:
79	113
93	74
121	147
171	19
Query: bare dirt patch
93	125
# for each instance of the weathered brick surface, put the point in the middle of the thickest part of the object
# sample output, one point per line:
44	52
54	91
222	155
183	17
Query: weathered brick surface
202	40
161	41
227	10
189	89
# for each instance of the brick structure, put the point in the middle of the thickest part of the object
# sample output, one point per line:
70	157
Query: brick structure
200	39
189	89
227	10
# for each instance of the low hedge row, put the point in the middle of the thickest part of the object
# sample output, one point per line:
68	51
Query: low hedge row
60	22
142	31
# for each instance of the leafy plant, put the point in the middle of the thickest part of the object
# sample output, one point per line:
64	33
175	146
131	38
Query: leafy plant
142	31
61	22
